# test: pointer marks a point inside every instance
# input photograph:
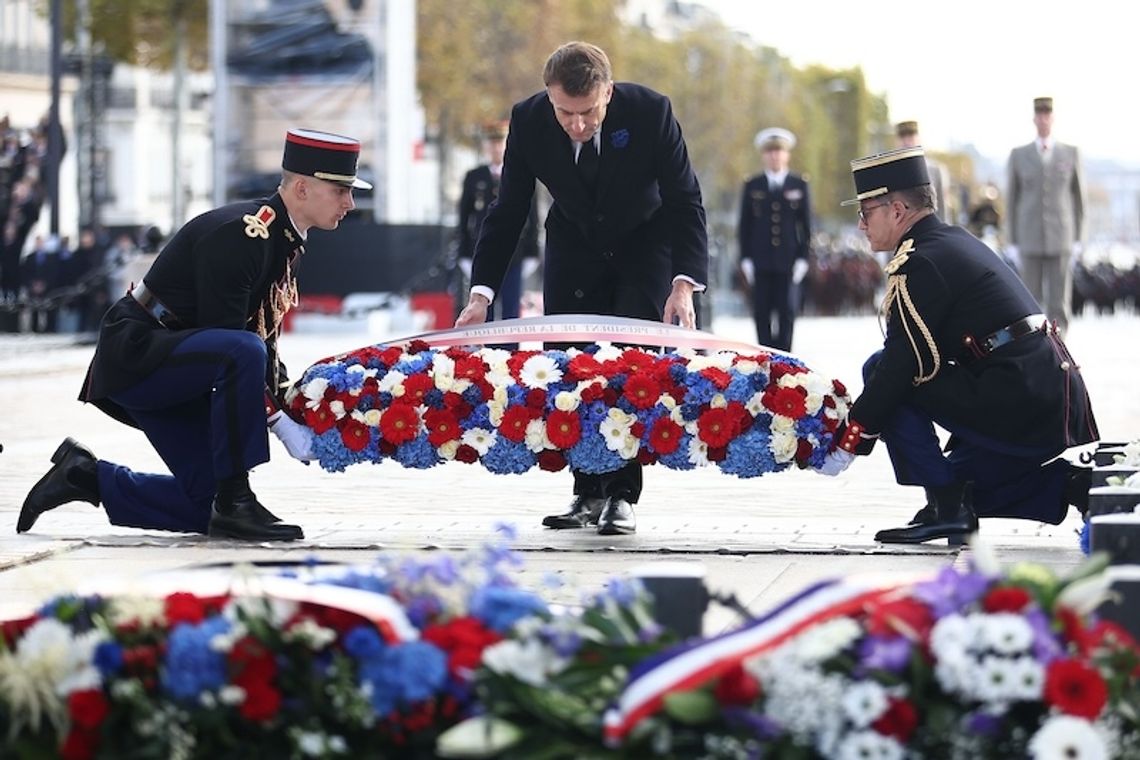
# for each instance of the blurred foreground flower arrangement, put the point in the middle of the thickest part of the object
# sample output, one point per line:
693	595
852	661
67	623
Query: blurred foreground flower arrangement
449	657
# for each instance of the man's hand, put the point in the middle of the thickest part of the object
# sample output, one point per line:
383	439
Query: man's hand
475	312
748	269
800	270
679	305
298	439
836	462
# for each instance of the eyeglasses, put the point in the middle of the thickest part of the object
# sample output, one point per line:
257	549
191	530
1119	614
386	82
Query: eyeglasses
864	210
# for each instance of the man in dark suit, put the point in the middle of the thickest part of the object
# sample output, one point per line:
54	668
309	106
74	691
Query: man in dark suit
968	349
775	238
480	188
189	357
625	235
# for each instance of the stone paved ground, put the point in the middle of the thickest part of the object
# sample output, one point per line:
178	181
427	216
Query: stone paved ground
760	539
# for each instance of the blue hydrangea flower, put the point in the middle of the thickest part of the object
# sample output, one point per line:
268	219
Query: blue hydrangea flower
404	674
507	457
331	453
364	643
590	454
749	455
108	658
417	453
500	607
191	666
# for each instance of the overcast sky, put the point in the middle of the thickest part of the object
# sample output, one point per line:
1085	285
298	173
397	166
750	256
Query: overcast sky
968	70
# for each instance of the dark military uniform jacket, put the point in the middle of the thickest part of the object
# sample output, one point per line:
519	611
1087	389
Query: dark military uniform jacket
233	267
480	189
775	228
946	293
641	227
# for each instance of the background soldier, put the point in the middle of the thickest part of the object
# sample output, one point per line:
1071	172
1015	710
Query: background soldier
908	137
775	239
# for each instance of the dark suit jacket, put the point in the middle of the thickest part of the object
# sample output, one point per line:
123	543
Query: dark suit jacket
775	228
216	271
623	244
480	188
1023	394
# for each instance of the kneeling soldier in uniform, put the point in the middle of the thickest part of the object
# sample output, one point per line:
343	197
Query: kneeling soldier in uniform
189	356
968	349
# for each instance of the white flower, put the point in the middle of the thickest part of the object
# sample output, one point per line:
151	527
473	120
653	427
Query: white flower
718	401
480	439
372	418
864	702
145	611
539	371
783	424
1028	678
337	408
231	695
479	736
529	661
995	682
698	451
631	444
314	390
393	383
823	641
536	438
747	366
1085	595
615	428
755	404
448	449
1006	633
567	401
495	411
607	352
868	745
956	672
951	636
1064	737
47	665
783	445
310	633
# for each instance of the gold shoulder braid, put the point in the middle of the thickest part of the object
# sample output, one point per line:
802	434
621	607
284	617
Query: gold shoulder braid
897	294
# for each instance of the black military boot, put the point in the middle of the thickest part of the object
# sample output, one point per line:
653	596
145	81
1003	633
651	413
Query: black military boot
954	518
583	511
236	513
74	476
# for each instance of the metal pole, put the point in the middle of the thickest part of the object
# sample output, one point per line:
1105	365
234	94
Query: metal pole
55	132
177	207
219	17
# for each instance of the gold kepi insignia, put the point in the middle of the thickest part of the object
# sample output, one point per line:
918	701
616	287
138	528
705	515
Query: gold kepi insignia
902	253
257	225
288	235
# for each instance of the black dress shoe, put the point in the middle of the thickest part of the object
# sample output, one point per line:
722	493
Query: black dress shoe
617	518
584	510
952	517
73	477
243	518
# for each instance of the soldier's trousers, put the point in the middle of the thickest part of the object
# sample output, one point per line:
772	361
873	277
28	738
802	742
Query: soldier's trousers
203	411
1009	481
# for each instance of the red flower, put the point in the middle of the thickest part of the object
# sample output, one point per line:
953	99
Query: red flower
515	420
442	425
536	399
642	390
456	404
1006	599
417	346
79	745
716	427
12	630
737	687
181	607
463	639
354	434
400	424
899	720
321	420
592	392
466	454
350	401
665	435
140	660
391	355
840	388
252	661
517	360
88	708
716	453
786	401
415	388
470	368
1075	688
564	429
645	456
610	396
907	617
551	461
583	367
262	701
717	377
803	452
634	360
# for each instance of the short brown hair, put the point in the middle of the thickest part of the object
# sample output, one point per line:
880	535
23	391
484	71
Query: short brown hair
578	68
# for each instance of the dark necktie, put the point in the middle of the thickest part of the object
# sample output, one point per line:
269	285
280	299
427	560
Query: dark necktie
588	165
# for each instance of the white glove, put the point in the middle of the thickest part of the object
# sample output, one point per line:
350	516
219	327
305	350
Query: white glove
529	266
465	267
749	270
836	462
1012	251
800	270
298	439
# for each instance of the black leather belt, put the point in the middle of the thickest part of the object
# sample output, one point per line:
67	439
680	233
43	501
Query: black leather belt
1012	332
155	307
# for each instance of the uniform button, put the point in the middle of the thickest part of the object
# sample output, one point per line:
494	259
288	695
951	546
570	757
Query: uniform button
776	229
776	241
775	216
775	205
578	293
608	254
600	218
